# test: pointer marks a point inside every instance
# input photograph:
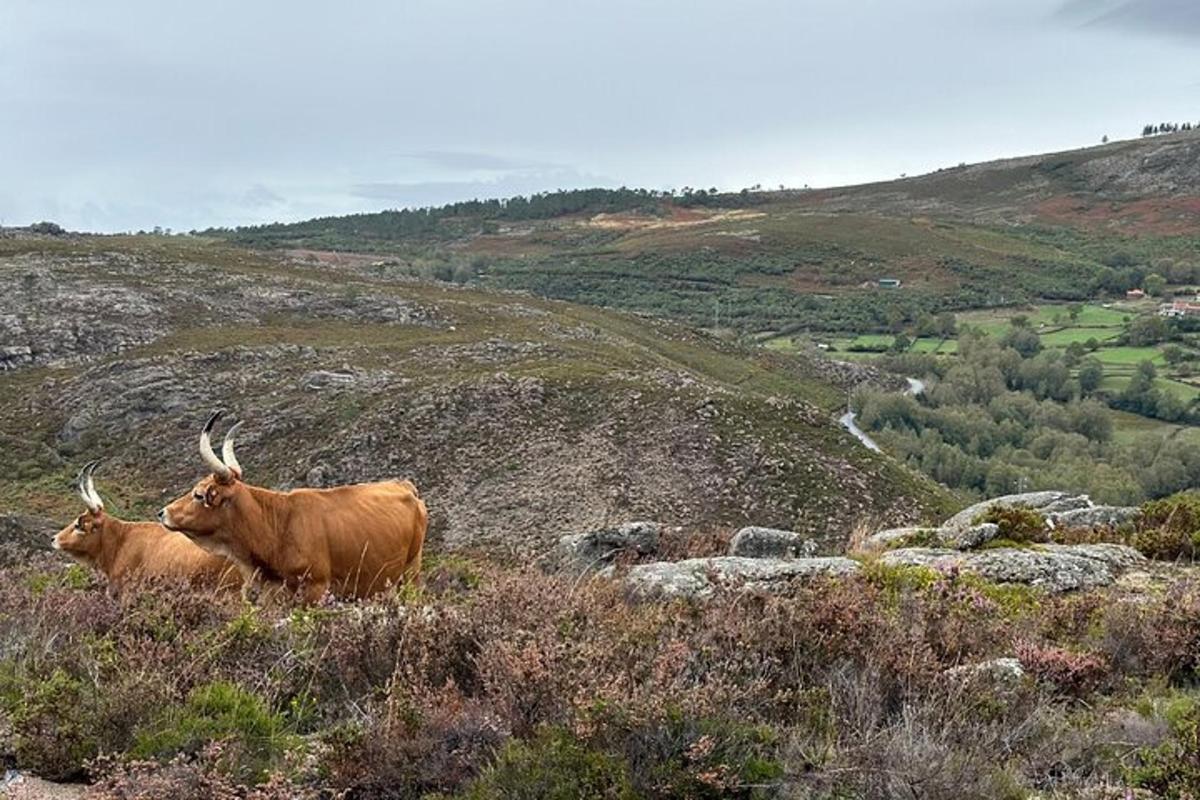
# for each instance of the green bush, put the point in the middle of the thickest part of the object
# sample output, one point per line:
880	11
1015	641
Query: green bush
53	721
1169	528
553	765
223	712
1172	769
1019	525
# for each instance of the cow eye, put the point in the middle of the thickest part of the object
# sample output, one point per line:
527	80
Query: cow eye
199	498
78	526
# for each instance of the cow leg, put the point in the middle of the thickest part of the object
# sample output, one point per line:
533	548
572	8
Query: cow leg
314	590
250	584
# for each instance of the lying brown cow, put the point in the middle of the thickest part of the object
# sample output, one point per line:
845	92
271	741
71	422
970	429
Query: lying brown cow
351	540
127	550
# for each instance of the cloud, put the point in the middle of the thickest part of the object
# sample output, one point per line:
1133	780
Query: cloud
456	160
1175	18
402	194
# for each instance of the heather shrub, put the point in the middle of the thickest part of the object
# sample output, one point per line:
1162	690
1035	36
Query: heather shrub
1172	769
1169	529
552	765
202	777
838	687
256	738
1019	525
53	721
1071	673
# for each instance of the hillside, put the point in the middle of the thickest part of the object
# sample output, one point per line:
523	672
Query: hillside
520	419
1060	226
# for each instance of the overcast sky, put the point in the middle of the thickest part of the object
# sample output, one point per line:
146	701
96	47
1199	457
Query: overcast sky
123	115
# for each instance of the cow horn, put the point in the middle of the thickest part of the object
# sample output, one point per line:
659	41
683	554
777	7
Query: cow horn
206	451
227	451
87	488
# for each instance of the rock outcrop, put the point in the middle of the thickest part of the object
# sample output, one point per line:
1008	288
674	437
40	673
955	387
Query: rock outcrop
756	542
594	550
701	577
965	531
1054	568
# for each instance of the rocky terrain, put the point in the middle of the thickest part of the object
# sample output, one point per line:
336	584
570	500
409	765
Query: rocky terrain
518	418
776	560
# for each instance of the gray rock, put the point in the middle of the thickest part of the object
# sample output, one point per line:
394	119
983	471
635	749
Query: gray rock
1032	500
1117	556
957	539
701	577
1093	517
1000	675
971	537
1054	568
756	542
22	534
583	552
325	379
893	537
1069	503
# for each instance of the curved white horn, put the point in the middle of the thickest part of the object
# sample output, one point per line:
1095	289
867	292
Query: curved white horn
91	487
206	451
227	451
87	489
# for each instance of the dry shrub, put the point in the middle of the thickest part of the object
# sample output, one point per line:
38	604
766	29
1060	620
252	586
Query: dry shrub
837	686
1072	673
1169	529
199	778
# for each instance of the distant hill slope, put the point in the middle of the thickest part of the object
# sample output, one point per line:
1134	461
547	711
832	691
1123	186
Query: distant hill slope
520	419
1141	186
1062	226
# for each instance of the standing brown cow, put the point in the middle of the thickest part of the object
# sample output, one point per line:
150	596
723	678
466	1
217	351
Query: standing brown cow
351	540
125	550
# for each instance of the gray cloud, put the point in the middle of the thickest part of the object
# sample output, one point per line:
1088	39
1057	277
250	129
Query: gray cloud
452	160
1176	18
129	113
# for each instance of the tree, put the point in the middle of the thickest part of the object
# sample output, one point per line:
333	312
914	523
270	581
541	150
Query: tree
1023	340
1174	354
1154	284
1091	374
1145	331
947	325
1074	310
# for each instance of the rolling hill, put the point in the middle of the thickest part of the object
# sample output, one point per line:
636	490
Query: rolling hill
1061	226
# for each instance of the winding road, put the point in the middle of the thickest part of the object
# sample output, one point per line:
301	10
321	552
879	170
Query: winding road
915	387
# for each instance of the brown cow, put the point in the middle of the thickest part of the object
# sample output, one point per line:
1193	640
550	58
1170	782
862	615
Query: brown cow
351	540
126	550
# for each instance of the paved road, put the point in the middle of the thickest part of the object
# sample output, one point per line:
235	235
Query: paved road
915	387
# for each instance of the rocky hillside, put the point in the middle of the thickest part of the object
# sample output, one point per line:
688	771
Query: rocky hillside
520	419
1147	185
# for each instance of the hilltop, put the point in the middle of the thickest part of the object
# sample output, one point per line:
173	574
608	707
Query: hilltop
1063	226
521	419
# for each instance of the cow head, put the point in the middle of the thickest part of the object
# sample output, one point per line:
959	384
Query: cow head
83	538
205	514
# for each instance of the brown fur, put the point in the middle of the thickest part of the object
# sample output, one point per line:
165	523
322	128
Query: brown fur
123	551
351	540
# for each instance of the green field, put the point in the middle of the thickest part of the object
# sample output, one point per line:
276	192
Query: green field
1129	356
1184	391
1067	336
995	321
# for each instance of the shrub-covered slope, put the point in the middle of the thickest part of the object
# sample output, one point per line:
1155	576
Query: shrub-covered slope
519	419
